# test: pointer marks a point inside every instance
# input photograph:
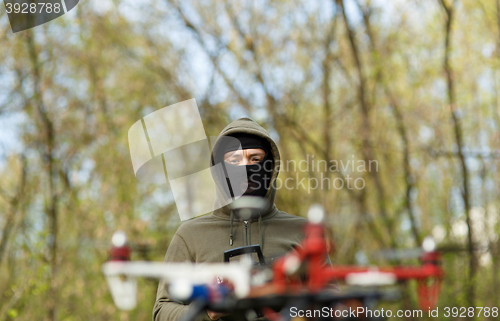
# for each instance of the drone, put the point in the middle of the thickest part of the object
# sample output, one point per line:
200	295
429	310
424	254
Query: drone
298	279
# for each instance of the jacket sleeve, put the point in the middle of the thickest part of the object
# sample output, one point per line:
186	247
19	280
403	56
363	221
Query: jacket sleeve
166	309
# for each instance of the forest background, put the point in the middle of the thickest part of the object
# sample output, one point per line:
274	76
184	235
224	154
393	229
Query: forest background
411	84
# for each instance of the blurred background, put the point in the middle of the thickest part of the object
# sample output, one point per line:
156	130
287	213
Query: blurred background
411	84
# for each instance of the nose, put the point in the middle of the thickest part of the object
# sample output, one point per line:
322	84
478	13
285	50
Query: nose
245	160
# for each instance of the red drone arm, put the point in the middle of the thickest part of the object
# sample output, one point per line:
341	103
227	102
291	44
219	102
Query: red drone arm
312	254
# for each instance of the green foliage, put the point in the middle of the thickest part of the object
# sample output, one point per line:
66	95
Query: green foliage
71	89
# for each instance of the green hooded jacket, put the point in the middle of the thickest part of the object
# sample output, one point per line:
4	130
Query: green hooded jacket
204	239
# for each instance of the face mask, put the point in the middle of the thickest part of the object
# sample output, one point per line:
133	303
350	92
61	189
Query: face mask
252	179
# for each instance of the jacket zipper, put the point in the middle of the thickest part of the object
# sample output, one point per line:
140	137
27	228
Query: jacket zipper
246	232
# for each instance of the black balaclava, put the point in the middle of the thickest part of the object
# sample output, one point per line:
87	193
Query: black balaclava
256	176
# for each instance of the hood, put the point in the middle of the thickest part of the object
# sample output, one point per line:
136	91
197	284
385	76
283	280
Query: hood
246	126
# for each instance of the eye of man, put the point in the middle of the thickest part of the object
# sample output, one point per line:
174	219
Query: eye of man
245	157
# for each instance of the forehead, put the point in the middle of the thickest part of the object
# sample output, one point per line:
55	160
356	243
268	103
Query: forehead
245	152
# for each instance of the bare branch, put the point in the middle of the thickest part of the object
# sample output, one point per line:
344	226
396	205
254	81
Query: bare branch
49	145
458	131
10	226
367	149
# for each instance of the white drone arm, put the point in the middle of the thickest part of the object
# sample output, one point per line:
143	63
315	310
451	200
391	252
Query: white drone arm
121	277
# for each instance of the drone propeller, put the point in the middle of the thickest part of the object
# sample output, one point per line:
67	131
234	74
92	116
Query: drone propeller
404	254
428	245
393	255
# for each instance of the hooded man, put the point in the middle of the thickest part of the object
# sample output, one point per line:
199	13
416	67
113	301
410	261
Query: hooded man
251	165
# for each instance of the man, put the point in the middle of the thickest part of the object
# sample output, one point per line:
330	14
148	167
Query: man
204	239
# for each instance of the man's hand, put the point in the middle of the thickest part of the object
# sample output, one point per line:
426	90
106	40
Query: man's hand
215	315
